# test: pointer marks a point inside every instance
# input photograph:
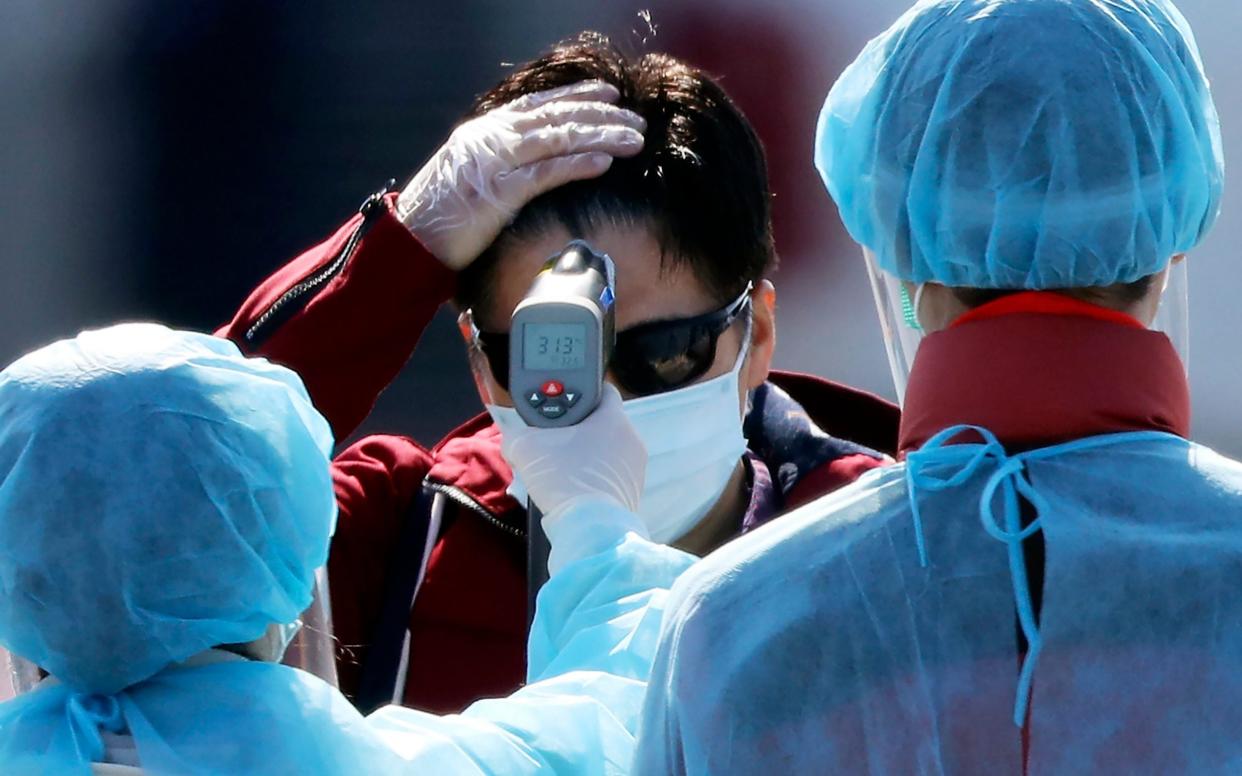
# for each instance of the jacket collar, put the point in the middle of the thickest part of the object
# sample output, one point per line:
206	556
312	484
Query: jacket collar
469	460
1039	368
783	435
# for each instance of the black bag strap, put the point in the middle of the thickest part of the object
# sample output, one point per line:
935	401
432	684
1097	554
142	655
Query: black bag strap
382	664
537	551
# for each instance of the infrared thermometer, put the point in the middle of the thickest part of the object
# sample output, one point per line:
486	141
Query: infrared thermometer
561	338
560	343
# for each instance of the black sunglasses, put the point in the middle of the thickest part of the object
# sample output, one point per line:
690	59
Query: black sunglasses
649	358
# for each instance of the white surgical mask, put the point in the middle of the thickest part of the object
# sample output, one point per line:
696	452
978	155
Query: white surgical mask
694	441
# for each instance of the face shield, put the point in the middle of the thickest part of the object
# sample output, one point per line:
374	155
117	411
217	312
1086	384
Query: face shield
313	647
898	311
1173	315
7	690
901	340
17	675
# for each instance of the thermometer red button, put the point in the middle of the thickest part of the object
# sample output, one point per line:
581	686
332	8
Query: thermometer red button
552	388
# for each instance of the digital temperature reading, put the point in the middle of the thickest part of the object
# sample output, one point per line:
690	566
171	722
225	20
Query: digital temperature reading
553	346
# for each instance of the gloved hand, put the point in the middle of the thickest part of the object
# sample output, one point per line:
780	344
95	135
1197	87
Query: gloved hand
600	461
494	164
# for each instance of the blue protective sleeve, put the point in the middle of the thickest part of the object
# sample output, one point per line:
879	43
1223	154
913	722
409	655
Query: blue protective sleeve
591	650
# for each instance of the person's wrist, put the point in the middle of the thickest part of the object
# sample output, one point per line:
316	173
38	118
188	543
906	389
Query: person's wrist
586	525
410	210
417	219
445	235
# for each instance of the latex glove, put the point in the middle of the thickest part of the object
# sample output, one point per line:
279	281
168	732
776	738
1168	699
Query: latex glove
599	461
492	165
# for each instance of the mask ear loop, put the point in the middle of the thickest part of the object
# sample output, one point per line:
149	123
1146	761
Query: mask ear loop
742	354
744	351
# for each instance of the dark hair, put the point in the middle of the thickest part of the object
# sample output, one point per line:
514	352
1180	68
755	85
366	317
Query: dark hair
1121	293
700	182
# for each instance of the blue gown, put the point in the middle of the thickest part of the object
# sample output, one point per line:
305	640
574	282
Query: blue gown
590	653
890	628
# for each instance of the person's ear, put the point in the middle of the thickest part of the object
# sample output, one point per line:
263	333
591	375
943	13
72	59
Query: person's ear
762	335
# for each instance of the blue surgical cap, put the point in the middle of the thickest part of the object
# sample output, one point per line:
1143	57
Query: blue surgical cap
160	495
1025	143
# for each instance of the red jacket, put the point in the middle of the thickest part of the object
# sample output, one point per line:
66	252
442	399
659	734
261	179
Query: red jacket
346	316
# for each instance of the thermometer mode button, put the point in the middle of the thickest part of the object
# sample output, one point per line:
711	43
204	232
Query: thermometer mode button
552	410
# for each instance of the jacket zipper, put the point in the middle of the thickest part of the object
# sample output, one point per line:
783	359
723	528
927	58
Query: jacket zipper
297	297
460	498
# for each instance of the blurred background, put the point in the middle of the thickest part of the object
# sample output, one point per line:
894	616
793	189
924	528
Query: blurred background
159	159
